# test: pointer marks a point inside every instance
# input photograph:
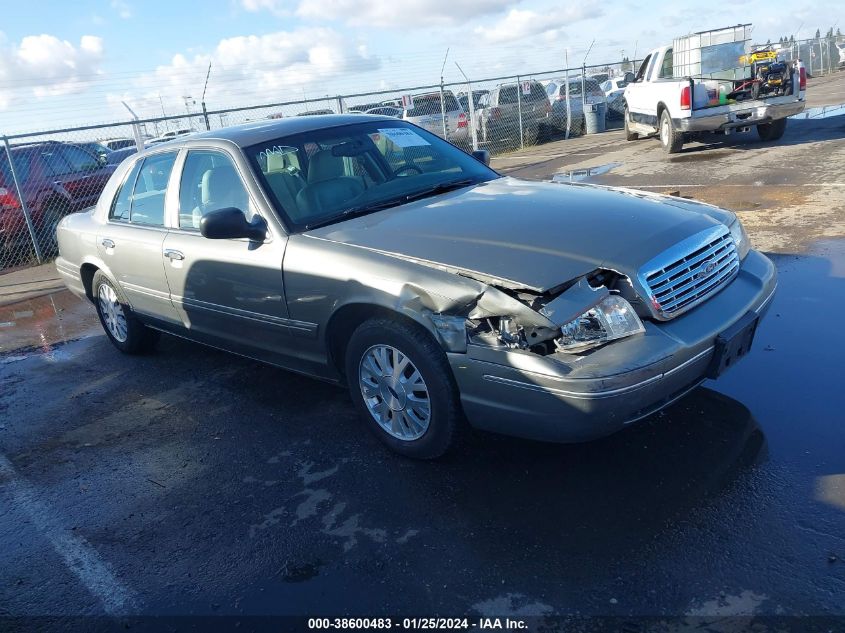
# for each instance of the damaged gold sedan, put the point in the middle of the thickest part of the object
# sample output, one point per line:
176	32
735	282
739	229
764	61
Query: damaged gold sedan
364	250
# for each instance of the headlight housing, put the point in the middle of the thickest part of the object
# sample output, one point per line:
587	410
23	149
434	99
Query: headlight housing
740	237
610	319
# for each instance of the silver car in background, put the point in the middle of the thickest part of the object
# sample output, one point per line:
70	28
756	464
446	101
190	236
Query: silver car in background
428	112
367	251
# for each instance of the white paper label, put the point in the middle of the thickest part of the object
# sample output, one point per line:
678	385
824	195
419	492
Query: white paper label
403	137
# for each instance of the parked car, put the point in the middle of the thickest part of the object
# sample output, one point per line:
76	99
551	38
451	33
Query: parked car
119	155
315	112
56	179
98	149
363	107
581	91
600	78
118	143
427	112
499	114
463	99
387	111
169	136
614	94
372	253
674	107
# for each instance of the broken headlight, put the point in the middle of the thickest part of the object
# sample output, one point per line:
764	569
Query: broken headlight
610	319
740	238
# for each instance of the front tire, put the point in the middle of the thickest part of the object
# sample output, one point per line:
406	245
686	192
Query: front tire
403	388
671	139
772	131
629	135
122	327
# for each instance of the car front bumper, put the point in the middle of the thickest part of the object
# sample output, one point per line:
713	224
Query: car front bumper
567	398
737	118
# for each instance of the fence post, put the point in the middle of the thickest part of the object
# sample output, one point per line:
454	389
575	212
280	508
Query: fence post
519	111
339	104
22	199
473	128
443	110
205	116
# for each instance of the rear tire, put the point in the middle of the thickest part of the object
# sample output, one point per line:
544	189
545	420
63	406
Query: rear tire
629	135
771	131
122	327
670	138
402	385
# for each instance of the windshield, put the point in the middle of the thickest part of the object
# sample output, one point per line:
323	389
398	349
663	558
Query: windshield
323	176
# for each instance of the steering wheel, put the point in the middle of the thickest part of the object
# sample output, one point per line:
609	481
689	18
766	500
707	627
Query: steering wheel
406	167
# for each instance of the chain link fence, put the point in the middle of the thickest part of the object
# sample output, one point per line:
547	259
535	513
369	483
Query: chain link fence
47	175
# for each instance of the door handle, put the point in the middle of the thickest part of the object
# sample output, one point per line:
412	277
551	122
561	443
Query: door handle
107	243
171	254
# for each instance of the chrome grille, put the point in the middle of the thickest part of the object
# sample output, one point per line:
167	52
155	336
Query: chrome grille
690	272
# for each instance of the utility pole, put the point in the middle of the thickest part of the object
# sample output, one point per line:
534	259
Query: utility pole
442	98
202	101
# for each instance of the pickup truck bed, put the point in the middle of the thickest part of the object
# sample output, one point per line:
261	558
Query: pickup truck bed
676	108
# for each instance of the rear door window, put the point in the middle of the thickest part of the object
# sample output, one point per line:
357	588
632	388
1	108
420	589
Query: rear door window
78	159
150	187
666	66
122	202
54	163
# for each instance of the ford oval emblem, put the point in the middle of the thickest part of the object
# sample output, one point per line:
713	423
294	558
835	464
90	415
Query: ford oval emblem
706	269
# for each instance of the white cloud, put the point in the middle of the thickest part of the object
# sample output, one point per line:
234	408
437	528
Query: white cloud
44	66
405	14
276	7
519	24
122	8
254	69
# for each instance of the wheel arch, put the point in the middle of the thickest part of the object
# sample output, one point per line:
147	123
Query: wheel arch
87	269
346	319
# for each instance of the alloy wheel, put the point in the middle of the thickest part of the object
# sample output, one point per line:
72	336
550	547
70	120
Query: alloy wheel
394	392
112	311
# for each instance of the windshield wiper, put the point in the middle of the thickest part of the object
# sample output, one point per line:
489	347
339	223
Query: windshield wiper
442	187
354	212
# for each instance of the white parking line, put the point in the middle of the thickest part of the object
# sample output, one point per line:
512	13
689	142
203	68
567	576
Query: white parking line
77	553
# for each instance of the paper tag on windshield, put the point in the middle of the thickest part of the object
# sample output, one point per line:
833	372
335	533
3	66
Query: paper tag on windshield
403	137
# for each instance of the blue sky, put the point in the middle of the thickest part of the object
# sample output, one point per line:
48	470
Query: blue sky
73	63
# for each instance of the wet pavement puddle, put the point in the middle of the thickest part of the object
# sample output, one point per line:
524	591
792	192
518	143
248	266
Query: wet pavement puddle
42	325
580	175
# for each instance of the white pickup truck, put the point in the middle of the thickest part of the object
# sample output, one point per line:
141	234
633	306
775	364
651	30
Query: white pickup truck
678	108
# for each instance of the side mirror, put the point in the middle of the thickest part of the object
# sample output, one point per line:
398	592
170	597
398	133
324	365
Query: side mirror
230	223
629	77
482	156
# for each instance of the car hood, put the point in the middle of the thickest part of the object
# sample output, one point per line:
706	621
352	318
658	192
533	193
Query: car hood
529	235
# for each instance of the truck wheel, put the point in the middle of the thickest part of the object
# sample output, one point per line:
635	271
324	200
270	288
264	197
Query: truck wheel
629	135
122	327
772	131
402	385
670	138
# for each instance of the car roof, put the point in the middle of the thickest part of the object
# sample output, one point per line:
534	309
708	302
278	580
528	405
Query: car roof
268	129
